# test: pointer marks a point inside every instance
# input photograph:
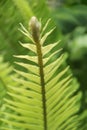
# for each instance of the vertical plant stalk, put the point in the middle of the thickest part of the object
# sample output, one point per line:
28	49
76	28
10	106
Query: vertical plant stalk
40	62
35	29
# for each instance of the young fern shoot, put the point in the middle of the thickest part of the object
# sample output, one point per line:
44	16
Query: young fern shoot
45	97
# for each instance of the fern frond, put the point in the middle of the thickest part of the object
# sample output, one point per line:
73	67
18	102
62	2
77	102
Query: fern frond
4	78
83	120
24	8
45	98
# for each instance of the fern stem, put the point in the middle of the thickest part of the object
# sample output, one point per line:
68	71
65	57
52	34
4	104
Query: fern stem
40	62
35	30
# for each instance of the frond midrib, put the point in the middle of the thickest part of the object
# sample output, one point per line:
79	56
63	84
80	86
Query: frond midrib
41	71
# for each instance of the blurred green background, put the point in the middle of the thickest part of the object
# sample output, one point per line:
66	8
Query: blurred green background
70	17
